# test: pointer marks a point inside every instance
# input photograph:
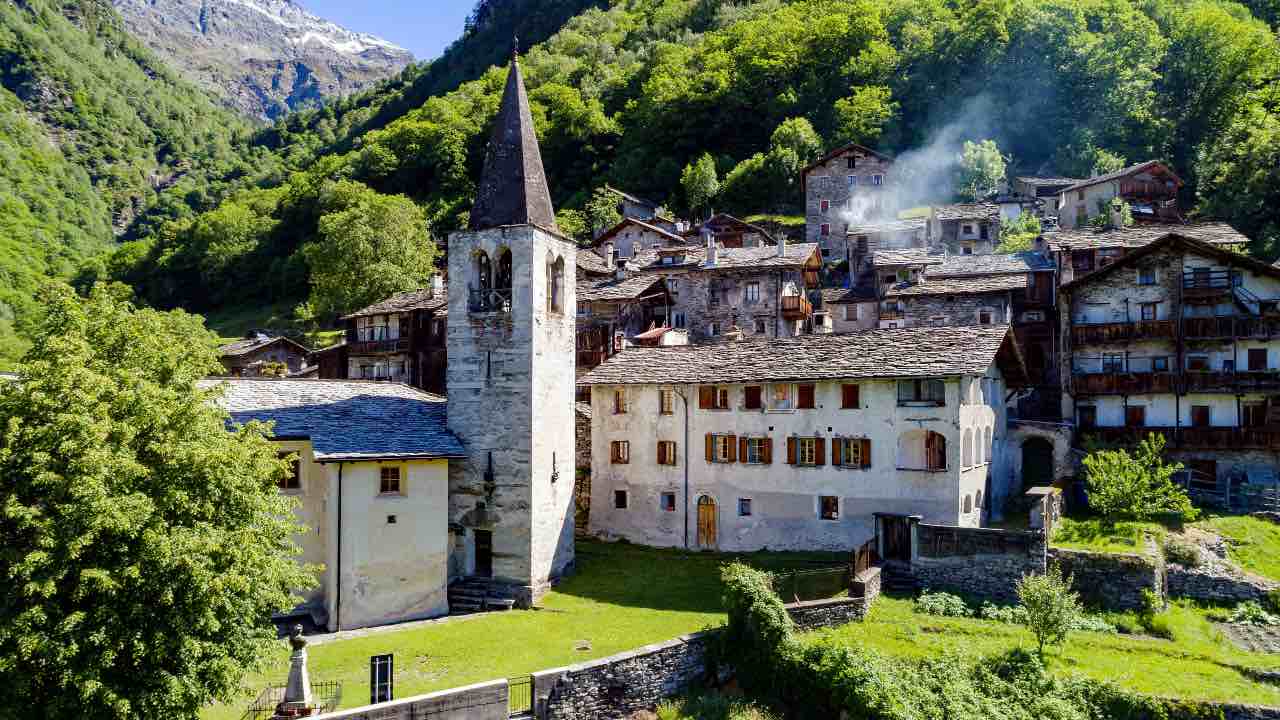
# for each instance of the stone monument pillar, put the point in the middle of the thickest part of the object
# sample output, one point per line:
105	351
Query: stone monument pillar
297	693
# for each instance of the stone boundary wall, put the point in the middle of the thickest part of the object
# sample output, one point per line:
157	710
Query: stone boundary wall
1181	710
1113	580
1212	585
979	563
483	701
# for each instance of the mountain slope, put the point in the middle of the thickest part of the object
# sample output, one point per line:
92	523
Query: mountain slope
263	57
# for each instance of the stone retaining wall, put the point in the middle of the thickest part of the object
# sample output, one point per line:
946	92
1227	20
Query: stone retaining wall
1114	581
484	701
815	614
1224	711
979	563
1214	585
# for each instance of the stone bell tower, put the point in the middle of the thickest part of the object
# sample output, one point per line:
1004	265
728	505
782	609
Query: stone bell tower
511	345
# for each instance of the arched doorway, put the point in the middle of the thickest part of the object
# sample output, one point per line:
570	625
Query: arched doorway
1037	462
707	523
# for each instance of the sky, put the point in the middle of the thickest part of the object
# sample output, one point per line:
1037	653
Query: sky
423	27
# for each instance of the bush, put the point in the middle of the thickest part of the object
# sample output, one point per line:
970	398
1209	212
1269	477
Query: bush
1272	602
941	603
1251	613
1183	553
1051	607
1136	487
1012	614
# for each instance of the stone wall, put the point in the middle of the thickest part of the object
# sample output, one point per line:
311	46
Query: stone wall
483	701
1216	579
979	563
1178	710
952	310
815	614
1113	580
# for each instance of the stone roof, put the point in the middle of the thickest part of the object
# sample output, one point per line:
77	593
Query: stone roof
1123	172
345	419
848	296
592	263
972	285
901	353
423	299
968	211
240	348
513	186
888	226
632	198
1213	232
1038	181
992	264
613	290
841	151
666	234
796	255
910	256
583	409
1187	244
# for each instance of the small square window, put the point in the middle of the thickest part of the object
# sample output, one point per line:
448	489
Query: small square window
668	502
620	499
1147	276
391	519
825	230
389	481
666	452
825	205
1160	364
752	293
829	507
806	451
744	507
620	452
761	327
984	317
1149	311
714	329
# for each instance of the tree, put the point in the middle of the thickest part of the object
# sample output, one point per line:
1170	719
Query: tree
798	136
701	186
573	224
1106	162
1050	608
982	169
862	116
1018	235
1114	214
369	246
144	545
601	211
1135	487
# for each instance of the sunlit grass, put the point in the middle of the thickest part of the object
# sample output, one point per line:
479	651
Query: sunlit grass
1255	543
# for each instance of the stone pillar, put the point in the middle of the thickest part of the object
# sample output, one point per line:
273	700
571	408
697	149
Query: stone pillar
297	693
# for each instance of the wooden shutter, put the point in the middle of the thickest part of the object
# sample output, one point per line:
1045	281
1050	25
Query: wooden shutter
753	397
791	451
732	448
866	452
711	447
819	451
849	397
805	399
837	450
662	453
706	397
742	449
766	451
613	451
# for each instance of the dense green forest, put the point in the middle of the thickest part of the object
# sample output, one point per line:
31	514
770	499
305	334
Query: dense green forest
632	92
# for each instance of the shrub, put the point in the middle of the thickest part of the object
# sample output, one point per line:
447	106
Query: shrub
1272	602
1251	613
941	603
1183	553
1051	607
1135	487
1012	614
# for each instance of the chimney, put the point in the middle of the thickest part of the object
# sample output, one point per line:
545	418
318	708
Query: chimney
297	699
437	285
712	248
782	247
1115	215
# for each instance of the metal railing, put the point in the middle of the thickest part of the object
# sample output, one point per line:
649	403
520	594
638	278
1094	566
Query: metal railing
520	696
1192	437
494	301
326	696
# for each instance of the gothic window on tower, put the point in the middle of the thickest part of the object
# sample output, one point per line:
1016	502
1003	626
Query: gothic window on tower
555	286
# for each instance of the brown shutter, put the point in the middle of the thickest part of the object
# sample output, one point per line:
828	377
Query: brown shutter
711	447
837	444
662	453
866	452
733	449
806	397
767	452
819	451
849	397
706	397
752	397
791	451
613	451
742	449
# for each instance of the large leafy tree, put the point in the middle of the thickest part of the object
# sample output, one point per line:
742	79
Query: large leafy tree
143	545
700	183
982	169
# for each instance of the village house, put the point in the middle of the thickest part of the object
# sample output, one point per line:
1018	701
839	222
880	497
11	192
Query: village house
637	208
794	444
615	309
964	228
1047	190
730	232
851	309
261	354
1078	252
847	186
630	237
371	475
1181	338
1150	189
866	240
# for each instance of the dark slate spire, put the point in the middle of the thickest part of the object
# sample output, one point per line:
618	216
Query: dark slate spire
513	187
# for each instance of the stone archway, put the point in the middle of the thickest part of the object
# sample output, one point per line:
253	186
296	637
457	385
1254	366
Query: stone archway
1037	462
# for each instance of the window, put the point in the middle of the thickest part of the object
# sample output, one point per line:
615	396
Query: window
825	205
967	230
677	320
713	329
921	392
620	452
966	249
851	452
722	448
293	478
984	232
825	230
849	397
1112	363
1254	414
851	313
1198	363
1135	416
751	295
1149	311
824	181
619	401
713	294
935	451
761	327
666	402
389	481
829	507
889	279
713	397
1160	364
1228	365
806	450
1082	261
984	317
780	397
853	180
1257	359
666	452
1199	416
1147	276
555	286
759	451
877	180
744	507
805	396
852	161
752	397
620	499
667	502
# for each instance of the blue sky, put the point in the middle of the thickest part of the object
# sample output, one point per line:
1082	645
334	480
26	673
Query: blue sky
423	27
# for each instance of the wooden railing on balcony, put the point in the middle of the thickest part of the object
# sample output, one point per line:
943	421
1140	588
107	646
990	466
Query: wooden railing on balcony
796	307
1231	326
1104	333
1233	438
1124	383
1240	381
370	347
892	315
1207	283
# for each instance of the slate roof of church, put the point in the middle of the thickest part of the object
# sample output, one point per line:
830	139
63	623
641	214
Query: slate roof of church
513	186
345	419
901	353
422	299
973	285
992	264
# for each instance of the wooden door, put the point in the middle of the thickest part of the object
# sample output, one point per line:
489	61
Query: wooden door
897	538
484	553
707	523
1135	416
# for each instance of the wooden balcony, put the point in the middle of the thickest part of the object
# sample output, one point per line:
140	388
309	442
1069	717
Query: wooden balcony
1206	438
1124	383
796	307
1231	326
588	359
1206	283
377	347
1106	333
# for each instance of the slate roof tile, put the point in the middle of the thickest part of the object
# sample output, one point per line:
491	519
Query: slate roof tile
1134	236
422	299
973	285
992	264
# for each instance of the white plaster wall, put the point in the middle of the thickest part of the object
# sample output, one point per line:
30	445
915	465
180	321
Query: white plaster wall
311	512
1092	194
390	572
784	497
1263	286
1163	409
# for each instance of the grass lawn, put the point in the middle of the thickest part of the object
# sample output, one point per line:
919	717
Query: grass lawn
622	597
785	220
1091	534
231	324
1198	664
1255	543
